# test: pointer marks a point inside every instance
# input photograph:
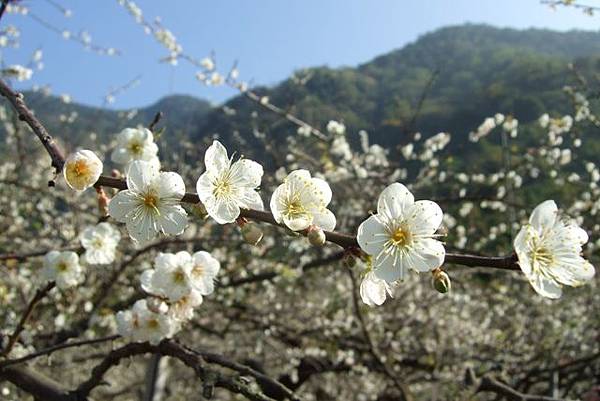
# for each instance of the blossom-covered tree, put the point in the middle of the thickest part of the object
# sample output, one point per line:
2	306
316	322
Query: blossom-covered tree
346	288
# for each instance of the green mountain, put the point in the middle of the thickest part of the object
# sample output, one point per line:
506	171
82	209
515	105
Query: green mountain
74	123
447	80
463	73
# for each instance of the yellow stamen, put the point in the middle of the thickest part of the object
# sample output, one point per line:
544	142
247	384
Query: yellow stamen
400	237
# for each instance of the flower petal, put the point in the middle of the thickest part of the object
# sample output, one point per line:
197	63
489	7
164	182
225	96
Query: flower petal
324	219
427	255
521	245
122	204
395	201
385	269
223	211
545	287
247	173
215	158
172	219
373	291
425	217
170	185
372	235
140	175
544	215
300	222
324	190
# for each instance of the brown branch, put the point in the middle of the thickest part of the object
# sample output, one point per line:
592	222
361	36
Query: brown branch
51	350
36	384
342	239
488	384
155	120
39	295
192	359
17	101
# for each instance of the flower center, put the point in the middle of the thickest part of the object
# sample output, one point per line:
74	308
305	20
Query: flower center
81	168
153	324
542	256
150	200
222	188
178	277
294	208
62	267
400	237
135	148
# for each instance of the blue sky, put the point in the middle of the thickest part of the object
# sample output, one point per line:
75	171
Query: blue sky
269	38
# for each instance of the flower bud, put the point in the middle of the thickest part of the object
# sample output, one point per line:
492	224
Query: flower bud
251	233
82	169
102	201
316	236
440	281
199	210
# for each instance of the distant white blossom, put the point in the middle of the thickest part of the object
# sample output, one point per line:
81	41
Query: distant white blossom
171	276
301	201
135	144
141	324
18	72
401	235
100	243
549	251
63	268
82	169
225	187
336	128
151	203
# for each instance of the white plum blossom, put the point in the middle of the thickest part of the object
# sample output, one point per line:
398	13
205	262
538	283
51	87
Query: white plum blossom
18	72
204	271
549	251
171	276
226	187
63	268
207	63
100	243
336	128
301	201
82	169
374	290
141	324
151	203
135	144
183	310
176	276
401	235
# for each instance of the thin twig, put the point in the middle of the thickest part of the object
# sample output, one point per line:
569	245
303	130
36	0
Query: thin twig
51	350
39	295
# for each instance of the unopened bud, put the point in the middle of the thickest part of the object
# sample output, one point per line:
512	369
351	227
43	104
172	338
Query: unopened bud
440	281
199	210
316	236
102	201
251	233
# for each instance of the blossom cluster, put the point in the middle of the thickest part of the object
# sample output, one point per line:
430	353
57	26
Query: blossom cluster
99	244
403	235
175	287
